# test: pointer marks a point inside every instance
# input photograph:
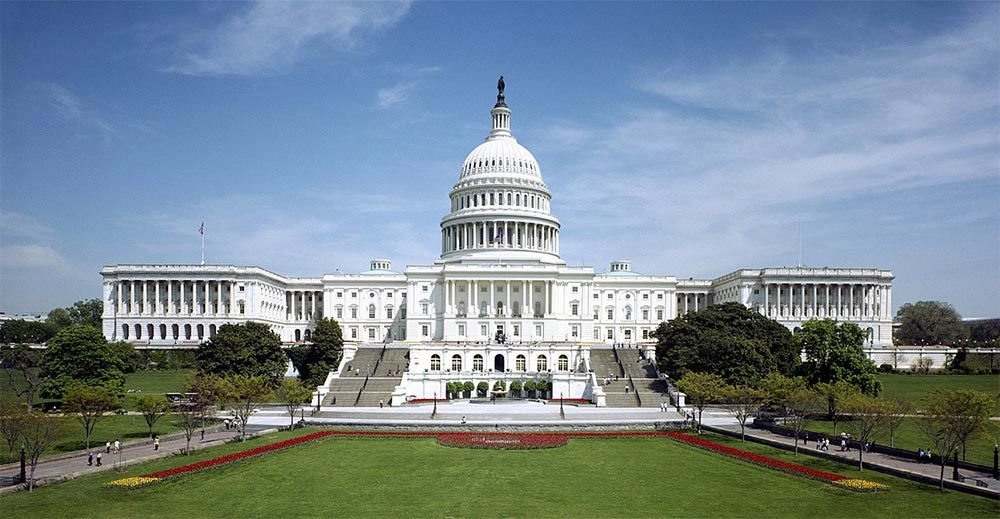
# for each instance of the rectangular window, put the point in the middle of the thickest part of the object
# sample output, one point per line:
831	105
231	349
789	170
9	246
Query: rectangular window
388	313
340	313
424	330
575	332
354	313
574	309
596	314
482	330
611	314
371	333
423	308
659	315
538	330
645	296
354	332
461	330
517	330
645	334
340	294
596	296
645	314
756	291
354	294
423	288
611	333
611	296
597	333
242	288
659	296
576	289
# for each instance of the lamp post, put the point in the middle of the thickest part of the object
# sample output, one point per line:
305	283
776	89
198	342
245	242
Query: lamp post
562	413
435	411
996	457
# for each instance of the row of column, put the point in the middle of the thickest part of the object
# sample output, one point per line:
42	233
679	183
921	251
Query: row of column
807	300
527	305
504	234
162	298
691	302
303	305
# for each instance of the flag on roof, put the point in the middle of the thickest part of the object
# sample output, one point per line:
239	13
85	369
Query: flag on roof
201	230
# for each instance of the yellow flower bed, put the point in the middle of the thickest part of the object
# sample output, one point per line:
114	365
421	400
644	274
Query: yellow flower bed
133	482
861	485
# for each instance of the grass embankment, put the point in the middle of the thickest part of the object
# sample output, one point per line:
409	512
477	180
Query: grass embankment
418	477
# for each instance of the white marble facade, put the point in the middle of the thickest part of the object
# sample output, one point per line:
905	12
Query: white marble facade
499	270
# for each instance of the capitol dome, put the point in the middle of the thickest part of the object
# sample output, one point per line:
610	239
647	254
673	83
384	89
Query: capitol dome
500	201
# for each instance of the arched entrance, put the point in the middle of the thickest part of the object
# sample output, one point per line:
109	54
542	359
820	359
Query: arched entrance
498	364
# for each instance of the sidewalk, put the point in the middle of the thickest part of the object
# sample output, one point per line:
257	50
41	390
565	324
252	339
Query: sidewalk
73	465
925	472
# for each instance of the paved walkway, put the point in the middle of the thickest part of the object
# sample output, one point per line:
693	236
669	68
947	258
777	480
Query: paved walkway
71	465
928	470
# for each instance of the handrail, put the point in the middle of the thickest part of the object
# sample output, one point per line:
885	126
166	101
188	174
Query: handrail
621	368
378	361
636	393
363	385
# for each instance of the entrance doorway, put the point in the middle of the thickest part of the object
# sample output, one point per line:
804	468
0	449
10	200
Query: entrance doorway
498	364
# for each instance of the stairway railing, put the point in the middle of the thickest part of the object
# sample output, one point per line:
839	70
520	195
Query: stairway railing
362	390
621	368
638	399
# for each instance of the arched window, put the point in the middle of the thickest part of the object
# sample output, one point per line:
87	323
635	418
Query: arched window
499	307
211	330
456	363
435	362
298	335
482	308
477	362
125	331
520	363
515	308
371	311
538	308
163	331
138	332
563	363
628	313
543	363
149	331
201	331
187	332
308	334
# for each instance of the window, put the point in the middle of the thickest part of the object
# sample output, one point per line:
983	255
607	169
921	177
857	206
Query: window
477	362
340	312
596	296
543	363
628	313
354	312
242	309
575	290
354	332
424	330
645	296
456	363
354	295
538	330
423	288
388	312
611	296
645	314
574	309
482	330
371	311
575	332
371	295
340	294
517	330
563	363
520	364
611	314
659	315
597	333
645	334
423	308
371	333
242	288
611	333
597	313
435	362
659	296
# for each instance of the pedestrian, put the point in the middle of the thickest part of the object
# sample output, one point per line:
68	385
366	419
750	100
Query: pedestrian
843	444
156	443
118	446
107	446
226	422
920	455
90	458
99	459
463	419
380	403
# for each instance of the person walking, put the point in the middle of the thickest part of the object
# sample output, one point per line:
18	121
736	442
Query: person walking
99	459
156	443
90	458
118	446
380	404
203	435
107	446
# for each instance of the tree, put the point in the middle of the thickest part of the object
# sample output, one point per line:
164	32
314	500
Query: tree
869	415
87	313
483	387
80	354
241	392
896	411
515	388
929	322
701	389
802	404
205	389
17	331
59	318
294	395
22	363
188	418
951	415
11	416
780	389
834	394
744	403
835	352
152	407
128	358
250	349
468	387
38	432
543	387
315	361
529	388
729	340
91	403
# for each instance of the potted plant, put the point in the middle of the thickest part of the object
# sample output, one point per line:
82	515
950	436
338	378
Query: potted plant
543	388
481	389
515	389
468	387
529	387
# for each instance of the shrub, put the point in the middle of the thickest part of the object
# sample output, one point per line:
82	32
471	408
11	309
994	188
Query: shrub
482	388
886	368
468	387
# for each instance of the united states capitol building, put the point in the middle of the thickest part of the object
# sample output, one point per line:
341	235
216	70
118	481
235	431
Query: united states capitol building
498	301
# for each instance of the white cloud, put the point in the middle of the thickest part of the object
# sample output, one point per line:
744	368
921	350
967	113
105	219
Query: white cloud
271	36
395	94
20	225
72	108
19	257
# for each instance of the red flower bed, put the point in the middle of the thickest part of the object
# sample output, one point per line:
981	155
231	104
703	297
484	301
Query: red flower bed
758	459
426	400
502	441
570	400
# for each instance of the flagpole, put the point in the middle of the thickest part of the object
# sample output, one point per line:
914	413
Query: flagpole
202	243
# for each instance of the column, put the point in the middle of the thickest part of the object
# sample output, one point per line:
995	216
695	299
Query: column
767	310
157	308
473	296
549	294
826	301
218	298
491	306
118	297
529	292
802	300
506	291
170	297
850	301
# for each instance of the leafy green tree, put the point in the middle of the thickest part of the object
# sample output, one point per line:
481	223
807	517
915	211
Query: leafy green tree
59	318
702	389
240	393
952	417
205	389
802	405
250	349
896	412
23	365
91	403
543	387
87	313
744	403
152	407
929	322
780	389
868	417
294	395
129	359
11	416
27	332
835	393
468	387
835	352
80	354
314	361
515	388
729	340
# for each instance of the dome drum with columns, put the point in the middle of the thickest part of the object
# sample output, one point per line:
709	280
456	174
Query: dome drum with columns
498	301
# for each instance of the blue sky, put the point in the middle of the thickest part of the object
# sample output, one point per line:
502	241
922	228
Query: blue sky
691	138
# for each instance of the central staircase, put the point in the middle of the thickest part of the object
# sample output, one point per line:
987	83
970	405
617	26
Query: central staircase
370	377
635	374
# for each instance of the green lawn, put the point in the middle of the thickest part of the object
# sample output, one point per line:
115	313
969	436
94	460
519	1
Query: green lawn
155	382
418	478
124	428
915	387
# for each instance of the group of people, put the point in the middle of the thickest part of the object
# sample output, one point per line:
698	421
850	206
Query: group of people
609	379
230	425
924	456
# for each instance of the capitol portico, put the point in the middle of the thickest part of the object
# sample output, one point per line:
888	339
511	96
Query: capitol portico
499	299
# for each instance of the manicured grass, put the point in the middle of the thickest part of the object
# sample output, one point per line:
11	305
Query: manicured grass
915	387
419	478
153	382
123	427
910	437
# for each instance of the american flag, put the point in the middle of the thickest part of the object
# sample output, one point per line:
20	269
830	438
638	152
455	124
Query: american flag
498	239
201	230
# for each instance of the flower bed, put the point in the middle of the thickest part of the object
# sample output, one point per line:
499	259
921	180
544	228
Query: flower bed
861	485
502	441
426	400
570	400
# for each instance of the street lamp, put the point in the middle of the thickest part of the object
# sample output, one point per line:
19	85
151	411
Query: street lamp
435	411
562	413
